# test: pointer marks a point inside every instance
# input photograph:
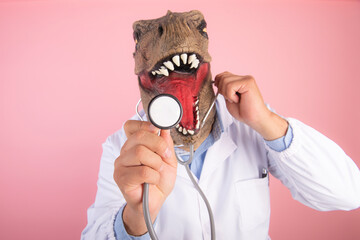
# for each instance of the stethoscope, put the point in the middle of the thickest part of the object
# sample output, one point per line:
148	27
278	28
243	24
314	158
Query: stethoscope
165	112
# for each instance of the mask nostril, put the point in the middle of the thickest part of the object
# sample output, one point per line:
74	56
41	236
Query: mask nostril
161	30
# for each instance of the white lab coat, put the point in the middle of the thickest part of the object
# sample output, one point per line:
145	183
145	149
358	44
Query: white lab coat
317	172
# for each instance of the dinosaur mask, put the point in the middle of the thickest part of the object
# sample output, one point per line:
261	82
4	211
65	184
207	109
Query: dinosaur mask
171	56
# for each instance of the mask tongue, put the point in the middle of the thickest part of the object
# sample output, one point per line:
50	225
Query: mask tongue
186	96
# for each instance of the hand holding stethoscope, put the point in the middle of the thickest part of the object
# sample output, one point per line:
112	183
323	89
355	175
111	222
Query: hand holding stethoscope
144	157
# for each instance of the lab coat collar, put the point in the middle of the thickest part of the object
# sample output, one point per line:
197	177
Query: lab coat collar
215	156
225	118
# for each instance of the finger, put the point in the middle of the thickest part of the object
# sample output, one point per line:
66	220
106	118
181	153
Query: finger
229	86
141	155
233	89
165	134
132	126
220	76
149	140
225	73
138	175
224	78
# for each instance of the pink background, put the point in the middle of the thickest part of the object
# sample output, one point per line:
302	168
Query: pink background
67	82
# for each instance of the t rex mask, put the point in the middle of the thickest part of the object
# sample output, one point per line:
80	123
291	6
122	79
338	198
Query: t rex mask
171	56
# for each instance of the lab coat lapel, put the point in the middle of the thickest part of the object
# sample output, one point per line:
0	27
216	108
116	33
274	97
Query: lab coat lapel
216	154
181	171
224	146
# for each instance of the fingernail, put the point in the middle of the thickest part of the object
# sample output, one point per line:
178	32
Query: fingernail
167	153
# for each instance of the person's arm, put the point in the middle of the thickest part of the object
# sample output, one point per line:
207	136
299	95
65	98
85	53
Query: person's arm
104	218
316	170
282	143
120	230
101	215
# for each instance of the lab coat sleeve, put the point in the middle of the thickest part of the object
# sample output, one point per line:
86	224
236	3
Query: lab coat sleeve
316	170
108	201
282	143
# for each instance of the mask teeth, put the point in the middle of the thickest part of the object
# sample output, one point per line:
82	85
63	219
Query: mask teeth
197	113
191	132
185	59
185	131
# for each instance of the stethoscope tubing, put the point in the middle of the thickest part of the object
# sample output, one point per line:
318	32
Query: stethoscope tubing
186	164
145	203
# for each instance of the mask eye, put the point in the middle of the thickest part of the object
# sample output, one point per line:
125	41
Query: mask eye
202	29
136	36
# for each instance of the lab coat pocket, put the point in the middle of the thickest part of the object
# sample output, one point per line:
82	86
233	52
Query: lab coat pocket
254	202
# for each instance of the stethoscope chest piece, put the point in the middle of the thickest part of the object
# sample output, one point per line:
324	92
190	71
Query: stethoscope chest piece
165	111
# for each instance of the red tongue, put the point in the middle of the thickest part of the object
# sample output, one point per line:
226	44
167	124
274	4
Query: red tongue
184	87
186	91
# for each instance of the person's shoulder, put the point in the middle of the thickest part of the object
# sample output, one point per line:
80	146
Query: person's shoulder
118	138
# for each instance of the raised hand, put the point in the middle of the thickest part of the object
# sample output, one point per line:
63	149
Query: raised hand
245	103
